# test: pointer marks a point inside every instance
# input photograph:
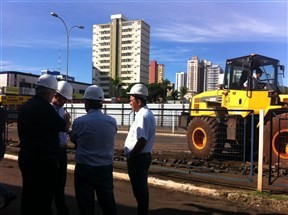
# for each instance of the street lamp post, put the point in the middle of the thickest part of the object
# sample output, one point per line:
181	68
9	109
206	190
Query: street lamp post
68	36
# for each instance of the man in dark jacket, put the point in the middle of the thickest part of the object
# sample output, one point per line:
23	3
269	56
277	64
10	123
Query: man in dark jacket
38	129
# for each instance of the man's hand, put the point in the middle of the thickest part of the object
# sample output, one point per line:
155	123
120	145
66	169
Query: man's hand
67	118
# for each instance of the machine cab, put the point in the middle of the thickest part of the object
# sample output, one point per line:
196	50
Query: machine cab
254	72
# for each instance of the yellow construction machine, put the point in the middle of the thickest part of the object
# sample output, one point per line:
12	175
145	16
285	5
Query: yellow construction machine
226	116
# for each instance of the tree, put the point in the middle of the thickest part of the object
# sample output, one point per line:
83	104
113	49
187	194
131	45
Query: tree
155	92
164	86
174	94
116	85
183	92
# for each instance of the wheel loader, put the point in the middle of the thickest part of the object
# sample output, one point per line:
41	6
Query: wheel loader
225	116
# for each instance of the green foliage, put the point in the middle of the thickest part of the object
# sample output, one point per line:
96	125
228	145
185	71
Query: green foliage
116	86
124	97
164	86
183	92
157	92
173	96
271	196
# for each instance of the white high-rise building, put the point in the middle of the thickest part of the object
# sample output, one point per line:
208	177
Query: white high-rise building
212	77
193	74
205	65
120	50
181	80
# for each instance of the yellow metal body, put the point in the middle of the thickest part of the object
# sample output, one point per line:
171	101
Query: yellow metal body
13	102
238	102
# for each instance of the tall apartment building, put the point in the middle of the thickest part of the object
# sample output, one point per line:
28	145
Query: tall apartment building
213	77
181	80
156	72
202	76
205	65
194	79
120	49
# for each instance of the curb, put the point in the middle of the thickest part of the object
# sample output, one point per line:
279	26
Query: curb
167	184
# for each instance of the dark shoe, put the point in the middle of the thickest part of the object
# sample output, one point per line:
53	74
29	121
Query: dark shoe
8	200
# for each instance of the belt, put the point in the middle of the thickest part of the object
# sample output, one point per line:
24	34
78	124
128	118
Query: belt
140	155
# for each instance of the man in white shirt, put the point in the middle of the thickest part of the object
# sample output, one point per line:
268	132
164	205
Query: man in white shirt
138	146
255	79
64	93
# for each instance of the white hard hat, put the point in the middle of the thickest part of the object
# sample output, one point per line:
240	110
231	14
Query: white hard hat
94	93
47	81
65	89
139	89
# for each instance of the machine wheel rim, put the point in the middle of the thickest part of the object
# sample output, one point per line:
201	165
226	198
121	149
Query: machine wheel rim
275	144
199	138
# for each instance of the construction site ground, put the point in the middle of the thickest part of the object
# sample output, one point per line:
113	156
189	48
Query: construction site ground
168	195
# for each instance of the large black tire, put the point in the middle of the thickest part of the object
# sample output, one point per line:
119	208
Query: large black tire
279	144
203	137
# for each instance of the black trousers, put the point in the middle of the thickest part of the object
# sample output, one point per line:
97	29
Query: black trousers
60	202
39	177
138	167
91	179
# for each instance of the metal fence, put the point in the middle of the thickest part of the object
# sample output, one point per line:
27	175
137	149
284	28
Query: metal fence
234	159
276	132
171	151
166	115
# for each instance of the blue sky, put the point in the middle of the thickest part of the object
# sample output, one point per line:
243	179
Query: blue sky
213	30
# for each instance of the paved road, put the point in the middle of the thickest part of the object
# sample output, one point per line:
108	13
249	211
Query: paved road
163	201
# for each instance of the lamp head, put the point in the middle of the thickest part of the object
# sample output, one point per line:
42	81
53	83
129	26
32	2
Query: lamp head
54	14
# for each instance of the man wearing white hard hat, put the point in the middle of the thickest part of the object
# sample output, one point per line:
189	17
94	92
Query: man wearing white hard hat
138	146
64	93
38	129
94	136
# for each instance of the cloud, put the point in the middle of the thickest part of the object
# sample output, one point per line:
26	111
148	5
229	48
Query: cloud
11	66
238	29
177	54
46	43
167	54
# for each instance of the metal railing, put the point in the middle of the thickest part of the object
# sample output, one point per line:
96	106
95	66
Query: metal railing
235	162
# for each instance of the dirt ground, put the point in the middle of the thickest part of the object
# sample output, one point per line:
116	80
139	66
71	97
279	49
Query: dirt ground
169	198
178	197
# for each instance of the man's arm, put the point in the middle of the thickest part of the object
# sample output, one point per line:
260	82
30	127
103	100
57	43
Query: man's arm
138	147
